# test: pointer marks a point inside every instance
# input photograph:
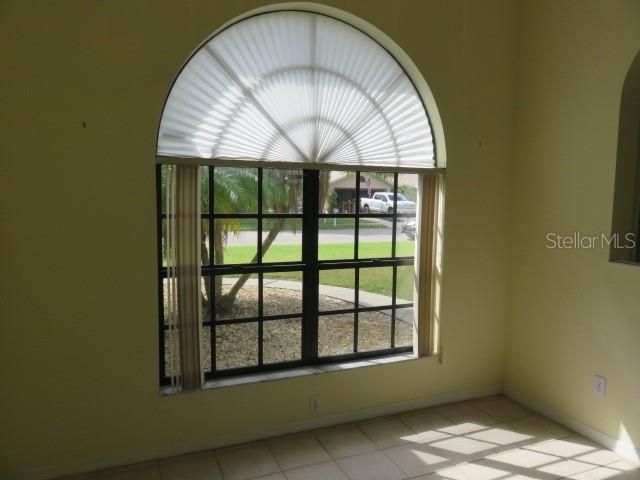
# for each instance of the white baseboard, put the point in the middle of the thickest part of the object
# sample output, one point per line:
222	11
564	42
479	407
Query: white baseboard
363	414
259	434
624	449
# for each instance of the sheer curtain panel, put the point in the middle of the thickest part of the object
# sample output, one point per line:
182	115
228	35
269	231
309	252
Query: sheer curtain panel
183	283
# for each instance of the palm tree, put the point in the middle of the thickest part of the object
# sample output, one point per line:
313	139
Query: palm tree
236	190
324	188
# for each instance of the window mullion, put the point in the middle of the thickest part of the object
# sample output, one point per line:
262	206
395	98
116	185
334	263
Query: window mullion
260	274
356	280
393	255
310	287
212	277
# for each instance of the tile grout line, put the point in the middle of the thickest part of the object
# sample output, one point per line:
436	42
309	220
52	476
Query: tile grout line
498	448
315	435
437	410
492	451
382	450
269	449
332	459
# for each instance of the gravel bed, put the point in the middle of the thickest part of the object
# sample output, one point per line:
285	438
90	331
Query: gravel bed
237	344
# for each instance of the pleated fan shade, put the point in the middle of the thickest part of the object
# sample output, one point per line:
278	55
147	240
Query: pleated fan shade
298	87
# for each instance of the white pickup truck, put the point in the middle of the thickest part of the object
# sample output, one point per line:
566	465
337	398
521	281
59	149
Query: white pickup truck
382	202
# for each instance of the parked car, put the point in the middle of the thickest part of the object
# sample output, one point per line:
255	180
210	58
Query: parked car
409	229
382	202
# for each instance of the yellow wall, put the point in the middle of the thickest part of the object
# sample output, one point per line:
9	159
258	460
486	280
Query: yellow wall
78	339
572	314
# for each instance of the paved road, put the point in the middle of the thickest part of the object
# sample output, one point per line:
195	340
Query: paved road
326	236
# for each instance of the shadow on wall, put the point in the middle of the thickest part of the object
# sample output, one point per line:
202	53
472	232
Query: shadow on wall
626	203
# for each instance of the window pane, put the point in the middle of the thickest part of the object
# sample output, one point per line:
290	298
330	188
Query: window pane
281	191
282	294
204	189
235	190
375	286
372	183
374	330
405	236
205	250
205	297
337	289
335	334
404	327
407	193
206	348
337	192
282	240
165	299
235	240
169	369
406	226
163	242
404	284
163	188
236	296
282	340
336	238
374	237
236	345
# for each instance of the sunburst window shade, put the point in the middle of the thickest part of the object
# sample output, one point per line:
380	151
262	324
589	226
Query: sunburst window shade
296	87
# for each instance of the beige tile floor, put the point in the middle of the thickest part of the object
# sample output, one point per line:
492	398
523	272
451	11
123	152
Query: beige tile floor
491	438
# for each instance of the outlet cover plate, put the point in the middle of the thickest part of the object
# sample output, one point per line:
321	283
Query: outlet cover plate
600	385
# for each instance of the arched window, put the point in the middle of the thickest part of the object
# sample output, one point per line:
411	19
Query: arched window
299	192
626	204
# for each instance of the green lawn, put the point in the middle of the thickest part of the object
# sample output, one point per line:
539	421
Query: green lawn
374	279
295	224
330	251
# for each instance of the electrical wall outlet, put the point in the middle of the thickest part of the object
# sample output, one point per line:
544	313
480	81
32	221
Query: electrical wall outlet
600	386
314	404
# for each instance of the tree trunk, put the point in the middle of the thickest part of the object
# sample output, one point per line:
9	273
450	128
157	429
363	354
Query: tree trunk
323	189
204	253
218	259
226	301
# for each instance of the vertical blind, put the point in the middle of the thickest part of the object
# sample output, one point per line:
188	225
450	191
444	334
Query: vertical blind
301	87
184	308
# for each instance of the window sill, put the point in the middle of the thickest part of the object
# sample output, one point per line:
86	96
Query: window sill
299	372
